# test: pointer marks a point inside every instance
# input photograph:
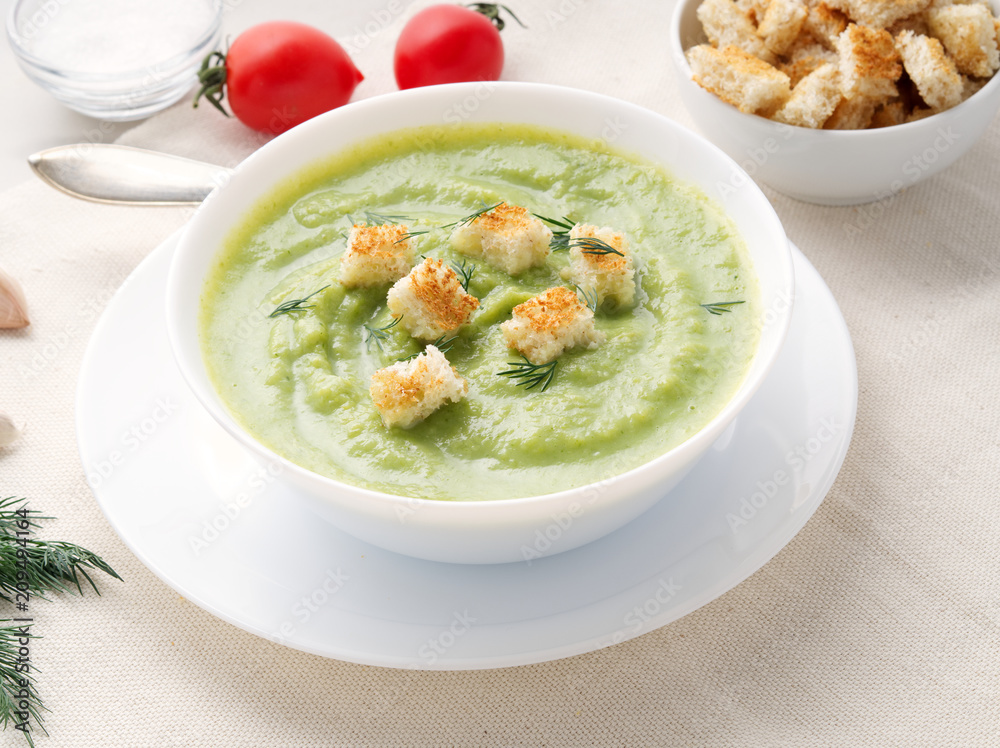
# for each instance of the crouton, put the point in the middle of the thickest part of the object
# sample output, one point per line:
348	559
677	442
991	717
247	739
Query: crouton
752	9
507	237
970	36
431	300
781	24
869	63
852	114
406	392
916	23
878	14
376	255
608	275
804	58
726	25
546	325
919	114
813	99
932	71
739	79
971	86
825	24
889	114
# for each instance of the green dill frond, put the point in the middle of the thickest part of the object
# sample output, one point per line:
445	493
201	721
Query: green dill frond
718	307
296	305
464	272
379	335
529	374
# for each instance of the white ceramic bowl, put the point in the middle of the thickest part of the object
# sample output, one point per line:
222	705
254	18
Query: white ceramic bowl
513	529
828	167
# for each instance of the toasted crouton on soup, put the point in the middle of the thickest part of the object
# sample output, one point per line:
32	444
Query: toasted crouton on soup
508	237
431	300
546	325
608	274
406	392
376	255
740	79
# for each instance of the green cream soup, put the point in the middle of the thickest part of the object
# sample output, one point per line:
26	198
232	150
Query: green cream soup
299	381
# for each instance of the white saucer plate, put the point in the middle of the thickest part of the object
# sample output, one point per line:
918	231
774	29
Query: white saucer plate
224	532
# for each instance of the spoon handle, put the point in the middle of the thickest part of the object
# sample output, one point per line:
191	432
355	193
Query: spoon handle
128	176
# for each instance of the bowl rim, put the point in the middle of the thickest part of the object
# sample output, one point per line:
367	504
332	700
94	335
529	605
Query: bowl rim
681	64
16	39
696	443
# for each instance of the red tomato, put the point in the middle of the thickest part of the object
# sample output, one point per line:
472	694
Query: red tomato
279	74
447	44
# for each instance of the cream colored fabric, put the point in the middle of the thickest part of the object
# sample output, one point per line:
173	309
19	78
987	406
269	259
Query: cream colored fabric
878	625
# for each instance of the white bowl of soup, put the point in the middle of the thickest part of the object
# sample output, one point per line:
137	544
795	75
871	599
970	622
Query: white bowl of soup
281	352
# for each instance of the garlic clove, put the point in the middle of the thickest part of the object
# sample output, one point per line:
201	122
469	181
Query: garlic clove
9	431
13	305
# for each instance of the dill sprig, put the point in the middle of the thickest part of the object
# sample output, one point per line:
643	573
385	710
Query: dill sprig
560	234
532	375
464	272
51	566
591	245
16	679
31	566
379	335
410	235
718	307
296	305
561	240
590	298
472	216
381	219
14	516
441	344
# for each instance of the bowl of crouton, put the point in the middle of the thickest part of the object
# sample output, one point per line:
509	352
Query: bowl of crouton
346	319
839	102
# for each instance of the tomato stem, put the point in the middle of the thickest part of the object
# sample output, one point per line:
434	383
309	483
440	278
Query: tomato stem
492	12
212	78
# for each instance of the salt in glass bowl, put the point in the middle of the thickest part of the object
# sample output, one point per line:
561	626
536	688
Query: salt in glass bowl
114	60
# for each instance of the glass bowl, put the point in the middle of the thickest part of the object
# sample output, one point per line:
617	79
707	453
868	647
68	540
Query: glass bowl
114	60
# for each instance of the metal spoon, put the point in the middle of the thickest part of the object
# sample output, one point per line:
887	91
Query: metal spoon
127	176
